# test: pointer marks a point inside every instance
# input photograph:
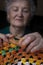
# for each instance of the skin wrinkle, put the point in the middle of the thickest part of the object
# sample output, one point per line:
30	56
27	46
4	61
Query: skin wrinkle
32	45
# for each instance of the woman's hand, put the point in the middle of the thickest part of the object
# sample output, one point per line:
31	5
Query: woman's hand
4	38
32	42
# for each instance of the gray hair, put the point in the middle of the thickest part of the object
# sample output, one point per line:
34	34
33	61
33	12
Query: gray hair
8	2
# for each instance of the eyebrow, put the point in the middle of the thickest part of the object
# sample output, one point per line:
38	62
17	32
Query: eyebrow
23	7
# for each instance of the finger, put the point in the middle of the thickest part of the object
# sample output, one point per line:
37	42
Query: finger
36	34
33	44
9	36
27	40
22	39
25	37
13	41
1	40
24	43
1	44
4	38
36	48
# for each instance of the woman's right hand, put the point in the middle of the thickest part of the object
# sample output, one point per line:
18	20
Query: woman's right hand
4	38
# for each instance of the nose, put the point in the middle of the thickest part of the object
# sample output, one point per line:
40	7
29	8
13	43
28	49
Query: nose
20	14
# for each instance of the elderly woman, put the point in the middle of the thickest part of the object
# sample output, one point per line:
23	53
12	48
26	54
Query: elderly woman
19	13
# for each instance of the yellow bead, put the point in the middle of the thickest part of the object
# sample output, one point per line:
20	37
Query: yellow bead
23	60
31	60
38	62
5	48
0	52
12	45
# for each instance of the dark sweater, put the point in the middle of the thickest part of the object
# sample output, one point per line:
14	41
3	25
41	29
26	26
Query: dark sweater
6	30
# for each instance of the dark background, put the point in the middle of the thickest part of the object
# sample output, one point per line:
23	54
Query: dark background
36	24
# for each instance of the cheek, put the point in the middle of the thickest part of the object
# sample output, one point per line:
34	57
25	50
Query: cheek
11	14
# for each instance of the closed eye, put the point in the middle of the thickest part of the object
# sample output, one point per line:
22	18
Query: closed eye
14	8
25	10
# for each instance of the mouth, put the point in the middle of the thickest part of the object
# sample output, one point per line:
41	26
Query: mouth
19	19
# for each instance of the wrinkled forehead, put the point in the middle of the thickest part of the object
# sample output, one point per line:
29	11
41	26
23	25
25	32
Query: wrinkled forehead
11	1
16	0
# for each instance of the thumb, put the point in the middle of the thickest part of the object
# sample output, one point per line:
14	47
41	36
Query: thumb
9	36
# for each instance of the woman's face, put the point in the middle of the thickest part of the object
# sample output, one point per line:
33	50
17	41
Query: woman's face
19	13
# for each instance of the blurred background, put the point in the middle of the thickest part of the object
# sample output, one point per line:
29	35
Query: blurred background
37	21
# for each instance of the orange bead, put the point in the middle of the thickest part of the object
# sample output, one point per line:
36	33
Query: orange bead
7	54
5	44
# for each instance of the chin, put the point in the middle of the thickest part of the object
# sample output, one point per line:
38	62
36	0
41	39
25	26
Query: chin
18	25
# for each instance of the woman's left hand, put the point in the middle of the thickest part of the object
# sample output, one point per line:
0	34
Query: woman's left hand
32	42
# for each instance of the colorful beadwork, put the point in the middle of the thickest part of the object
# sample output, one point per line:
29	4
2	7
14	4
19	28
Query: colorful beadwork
11	54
